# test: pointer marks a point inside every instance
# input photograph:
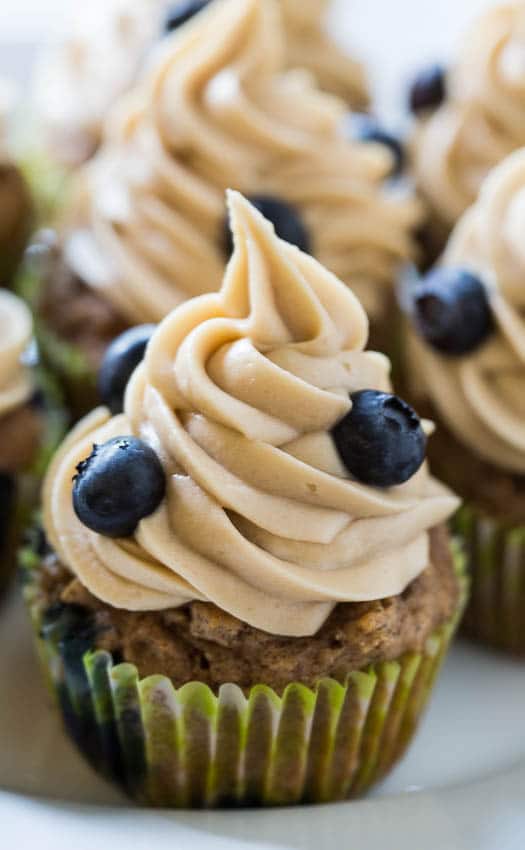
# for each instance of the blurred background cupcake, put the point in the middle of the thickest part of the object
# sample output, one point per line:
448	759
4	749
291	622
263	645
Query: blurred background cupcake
250	587
78	81
30	425
469	118
466	365
145	227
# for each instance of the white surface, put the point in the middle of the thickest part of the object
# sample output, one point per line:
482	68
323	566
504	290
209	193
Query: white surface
462	785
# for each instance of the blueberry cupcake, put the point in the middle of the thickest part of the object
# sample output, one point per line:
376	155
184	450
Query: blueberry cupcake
249	587
146	226
469	119
78	81
467	363
29	425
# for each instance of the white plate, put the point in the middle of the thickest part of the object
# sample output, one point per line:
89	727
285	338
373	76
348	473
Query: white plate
462	785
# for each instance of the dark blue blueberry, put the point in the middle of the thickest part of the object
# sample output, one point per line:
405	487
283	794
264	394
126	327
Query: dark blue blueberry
120	483
285	218
360	127
120	361
181	12
452	311
428	90
381	441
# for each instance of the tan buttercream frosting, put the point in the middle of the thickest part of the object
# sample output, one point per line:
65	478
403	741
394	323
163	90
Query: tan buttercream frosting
483	117
481	396
216	110
237	395
16	328
79	79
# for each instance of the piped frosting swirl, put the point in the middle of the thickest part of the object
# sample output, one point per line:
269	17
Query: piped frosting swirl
16	329
237	394
483	118
217	110
480	396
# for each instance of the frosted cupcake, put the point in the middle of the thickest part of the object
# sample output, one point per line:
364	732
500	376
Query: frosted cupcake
250	589
28	427
78	81
469	366
470	121
147	226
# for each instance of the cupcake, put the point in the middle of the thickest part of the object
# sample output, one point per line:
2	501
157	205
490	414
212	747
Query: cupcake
78	82
28	427
16	209
249	588
146	226
470	119
467	363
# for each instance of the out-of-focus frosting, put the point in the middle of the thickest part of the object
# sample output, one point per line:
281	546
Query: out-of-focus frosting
215	111
16	328
481	396
483	117
309	45
78	80
237	395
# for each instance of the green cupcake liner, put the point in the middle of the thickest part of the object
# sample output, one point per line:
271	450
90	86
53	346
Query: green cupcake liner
190	748
496	562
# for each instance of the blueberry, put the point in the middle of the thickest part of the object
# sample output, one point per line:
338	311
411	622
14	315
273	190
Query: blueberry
120	361
452	311
380	441
428	90
364	128
285	218
182	12
120	483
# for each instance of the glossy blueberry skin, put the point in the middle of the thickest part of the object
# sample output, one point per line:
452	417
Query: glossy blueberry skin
380	441
120	361
284	217
120	483
451	311
364	128
428	90
181	12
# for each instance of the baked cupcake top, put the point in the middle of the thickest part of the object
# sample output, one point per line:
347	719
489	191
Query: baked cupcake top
482	118
78	81
472	310
244	398
216	110
310	46
16	329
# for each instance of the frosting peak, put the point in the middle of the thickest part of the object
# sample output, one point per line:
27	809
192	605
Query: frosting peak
215	110
237	394
16	328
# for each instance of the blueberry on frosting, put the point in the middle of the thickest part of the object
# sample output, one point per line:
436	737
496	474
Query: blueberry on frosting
285	218
120	361
120	483
428	90
380	441
452	310
365	128
181	12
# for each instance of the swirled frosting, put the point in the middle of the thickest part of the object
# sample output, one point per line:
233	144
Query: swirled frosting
310	46
483	118
217	111
16	329
78	80
481	396
237	395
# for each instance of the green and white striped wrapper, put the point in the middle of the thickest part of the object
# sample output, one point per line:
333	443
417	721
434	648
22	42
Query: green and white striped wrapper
495	556
190	748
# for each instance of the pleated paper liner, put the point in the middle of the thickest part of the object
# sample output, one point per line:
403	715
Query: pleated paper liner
187	747
496	562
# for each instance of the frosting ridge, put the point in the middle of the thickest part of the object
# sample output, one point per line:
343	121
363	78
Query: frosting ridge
237	394
16	330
